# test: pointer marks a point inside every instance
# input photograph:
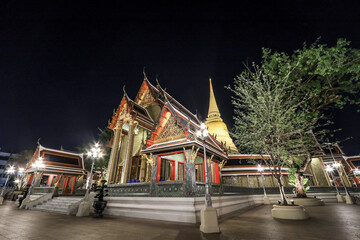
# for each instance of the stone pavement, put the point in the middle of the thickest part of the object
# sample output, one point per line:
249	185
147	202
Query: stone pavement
336	221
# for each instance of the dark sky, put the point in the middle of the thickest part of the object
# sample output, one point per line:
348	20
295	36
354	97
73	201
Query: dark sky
63	64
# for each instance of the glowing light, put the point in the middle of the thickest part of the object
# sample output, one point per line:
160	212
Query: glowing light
38	163
205	133
95	151
21	170
260	168
11	170
329	168
336	165
17	180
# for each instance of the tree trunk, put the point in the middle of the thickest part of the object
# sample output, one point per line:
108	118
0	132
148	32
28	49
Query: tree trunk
282	192
299	185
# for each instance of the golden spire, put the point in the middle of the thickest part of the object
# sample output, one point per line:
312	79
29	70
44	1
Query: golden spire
213	108
215	124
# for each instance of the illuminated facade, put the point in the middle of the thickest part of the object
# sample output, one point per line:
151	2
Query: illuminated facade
155	142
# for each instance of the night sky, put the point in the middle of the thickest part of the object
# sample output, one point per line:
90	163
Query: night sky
63	64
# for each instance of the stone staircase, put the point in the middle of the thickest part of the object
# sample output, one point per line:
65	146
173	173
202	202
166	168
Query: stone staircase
35	196
60	205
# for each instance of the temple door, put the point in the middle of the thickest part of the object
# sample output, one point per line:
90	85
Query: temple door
69	184
66	184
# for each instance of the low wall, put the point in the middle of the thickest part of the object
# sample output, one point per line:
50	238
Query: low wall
178	189
233	189
187	209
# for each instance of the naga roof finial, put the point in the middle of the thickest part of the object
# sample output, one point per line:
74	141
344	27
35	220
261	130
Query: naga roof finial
145	77
157	81
124	91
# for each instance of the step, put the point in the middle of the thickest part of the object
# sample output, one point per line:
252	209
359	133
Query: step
58	204
67	199
53	209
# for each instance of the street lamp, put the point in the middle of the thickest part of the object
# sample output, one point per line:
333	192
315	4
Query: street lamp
84	207
261	170
94	153
21	174
17	181
330	170
337	166
209	220
203	133
9	171
38	164
356	172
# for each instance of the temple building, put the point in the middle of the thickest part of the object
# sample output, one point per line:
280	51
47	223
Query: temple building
155	142
62	167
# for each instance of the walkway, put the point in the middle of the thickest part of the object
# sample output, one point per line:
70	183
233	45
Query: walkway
333	221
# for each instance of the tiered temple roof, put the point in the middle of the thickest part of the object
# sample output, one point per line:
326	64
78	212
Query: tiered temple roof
175	126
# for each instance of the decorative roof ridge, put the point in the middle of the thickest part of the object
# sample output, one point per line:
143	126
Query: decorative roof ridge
351	157
167	95
133	103
250	155
61	151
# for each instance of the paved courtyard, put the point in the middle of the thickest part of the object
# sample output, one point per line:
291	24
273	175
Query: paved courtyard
333	221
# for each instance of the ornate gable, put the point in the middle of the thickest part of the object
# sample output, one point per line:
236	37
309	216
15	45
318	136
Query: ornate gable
120	112
147	99
170	131
147	94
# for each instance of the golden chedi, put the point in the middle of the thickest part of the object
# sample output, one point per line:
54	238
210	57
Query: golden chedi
216	125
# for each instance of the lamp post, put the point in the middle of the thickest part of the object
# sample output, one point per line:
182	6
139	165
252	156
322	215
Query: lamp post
209	220
356	172
337	166
21	173
94	153
38	164
19	178
330	170
203	133
84	208
261	170
17	181
9	171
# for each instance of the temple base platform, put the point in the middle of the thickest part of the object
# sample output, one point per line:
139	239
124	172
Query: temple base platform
187	209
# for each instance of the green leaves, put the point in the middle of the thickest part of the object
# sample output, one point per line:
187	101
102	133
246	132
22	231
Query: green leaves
292	179
279	103
326	72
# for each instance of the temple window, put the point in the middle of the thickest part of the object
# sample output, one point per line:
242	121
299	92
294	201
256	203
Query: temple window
171	167
199	169
53	181
44	180
213	172
136	168
167	170
181	171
